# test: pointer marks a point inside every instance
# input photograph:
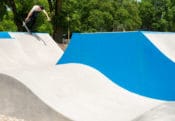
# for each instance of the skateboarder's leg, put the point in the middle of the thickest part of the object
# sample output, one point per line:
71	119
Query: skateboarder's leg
31	24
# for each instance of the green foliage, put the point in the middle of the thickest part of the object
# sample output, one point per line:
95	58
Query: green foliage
158	15
7	23
93	15
2	9
146	13
101	15
22	9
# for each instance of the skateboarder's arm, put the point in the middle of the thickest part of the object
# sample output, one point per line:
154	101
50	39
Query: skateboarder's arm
48	18
30	13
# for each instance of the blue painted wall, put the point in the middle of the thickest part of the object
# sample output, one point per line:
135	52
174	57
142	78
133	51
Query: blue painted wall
4	35
129	59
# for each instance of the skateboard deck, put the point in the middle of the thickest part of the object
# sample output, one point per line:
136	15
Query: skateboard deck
25	26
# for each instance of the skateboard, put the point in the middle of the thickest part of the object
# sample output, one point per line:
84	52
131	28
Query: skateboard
25	26
27	29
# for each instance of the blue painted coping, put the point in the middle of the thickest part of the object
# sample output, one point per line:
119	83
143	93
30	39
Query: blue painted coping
129	59
4	35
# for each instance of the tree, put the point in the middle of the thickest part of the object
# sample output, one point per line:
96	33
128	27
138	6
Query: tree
157	15
7	22
55	7
2	9
126	15
16	14
91	15
146	10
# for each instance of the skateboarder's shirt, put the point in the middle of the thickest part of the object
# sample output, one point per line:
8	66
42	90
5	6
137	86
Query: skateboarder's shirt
35	10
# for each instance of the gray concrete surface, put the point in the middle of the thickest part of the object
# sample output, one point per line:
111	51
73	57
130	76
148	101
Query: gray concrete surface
163	112
17	100
77	91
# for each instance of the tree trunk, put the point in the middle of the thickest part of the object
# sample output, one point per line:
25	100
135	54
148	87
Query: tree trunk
56	22
57	34
57	29
17	18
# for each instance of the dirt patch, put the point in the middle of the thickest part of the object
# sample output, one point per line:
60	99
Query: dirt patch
63	46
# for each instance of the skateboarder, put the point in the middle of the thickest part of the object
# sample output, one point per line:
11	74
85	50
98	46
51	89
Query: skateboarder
32	15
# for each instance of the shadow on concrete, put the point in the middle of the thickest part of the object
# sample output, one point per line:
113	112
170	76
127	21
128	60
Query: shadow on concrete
18	101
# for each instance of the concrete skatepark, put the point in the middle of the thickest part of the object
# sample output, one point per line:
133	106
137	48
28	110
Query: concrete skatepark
118	76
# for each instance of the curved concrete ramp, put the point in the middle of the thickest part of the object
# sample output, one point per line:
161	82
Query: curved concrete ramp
17	100
163	112
83	93
164	41
129	59
99	78
25	50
